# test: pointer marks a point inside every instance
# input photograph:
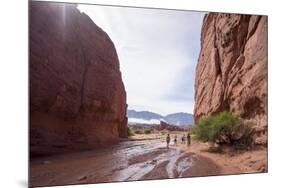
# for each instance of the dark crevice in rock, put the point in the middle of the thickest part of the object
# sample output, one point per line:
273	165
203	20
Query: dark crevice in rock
217	62
83	81
84	76
251	33
252	107
85	62
243	31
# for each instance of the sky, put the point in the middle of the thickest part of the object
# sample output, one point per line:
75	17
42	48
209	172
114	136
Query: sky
158	52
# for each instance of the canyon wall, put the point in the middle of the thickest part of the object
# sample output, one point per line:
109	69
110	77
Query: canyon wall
77	97
231	74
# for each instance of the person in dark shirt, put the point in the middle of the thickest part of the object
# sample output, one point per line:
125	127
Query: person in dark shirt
183	139
188	139
175	140
168	140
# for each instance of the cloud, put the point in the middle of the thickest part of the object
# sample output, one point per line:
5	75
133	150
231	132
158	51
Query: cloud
157	51
137	120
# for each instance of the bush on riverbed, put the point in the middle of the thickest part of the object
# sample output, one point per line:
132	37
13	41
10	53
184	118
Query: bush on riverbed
130	132
223	128
147	131
138	131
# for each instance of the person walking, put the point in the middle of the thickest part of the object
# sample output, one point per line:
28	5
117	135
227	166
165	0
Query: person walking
188	139
175	140
183	139
168	140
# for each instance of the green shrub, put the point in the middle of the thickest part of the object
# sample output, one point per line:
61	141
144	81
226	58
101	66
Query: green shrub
138	132
147	131
130	132
202	129
223	128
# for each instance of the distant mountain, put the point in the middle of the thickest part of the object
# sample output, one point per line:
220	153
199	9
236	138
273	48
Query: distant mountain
180	118
147	117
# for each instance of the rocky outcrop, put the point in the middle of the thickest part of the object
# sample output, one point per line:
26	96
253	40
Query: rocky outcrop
166	126
231	74
77	97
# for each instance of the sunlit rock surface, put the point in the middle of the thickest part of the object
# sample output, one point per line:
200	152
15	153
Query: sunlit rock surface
231	74
77	97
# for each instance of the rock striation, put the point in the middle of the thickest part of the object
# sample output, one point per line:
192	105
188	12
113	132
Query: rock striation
231	74
77	97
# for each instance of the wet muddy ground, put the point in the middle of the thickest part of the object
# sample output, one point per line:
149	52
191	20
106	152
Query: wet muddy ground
126	161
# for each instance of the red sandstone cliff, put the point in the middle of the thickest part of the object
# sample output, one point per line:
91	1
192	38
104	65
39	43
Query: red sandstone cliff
231	73
77	97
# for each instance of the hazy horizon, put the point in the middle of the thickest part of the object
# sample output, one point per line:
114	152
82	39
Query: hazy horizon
157	50
157	112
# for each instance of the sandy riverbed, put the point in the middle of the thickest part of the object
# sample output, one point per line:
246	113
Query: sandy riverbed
141	159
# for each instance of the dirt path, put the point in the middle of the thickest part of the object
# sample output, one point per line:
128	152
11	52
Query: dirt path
230	162
128	161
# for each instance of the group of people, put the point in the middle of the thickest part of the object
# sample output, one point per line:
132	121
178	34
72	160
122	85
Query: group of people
184	139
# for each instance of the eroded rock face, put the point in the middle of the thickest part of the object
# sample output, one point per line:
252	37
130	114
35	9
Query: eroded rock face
231	73
77	97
